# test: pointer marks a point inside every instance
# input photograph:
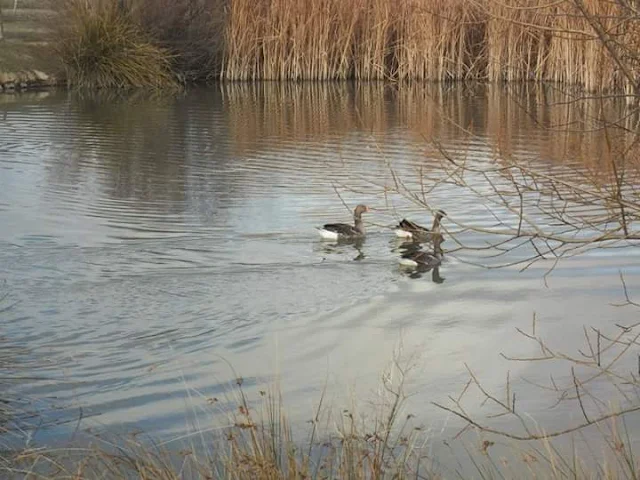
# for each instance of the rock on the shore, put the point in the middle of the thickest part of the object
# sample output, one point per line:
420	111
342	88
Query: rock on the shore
26	80
41	76
8	77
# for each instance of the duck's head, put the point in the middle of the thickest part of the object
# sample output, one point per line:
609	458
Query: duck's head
360	209
440	213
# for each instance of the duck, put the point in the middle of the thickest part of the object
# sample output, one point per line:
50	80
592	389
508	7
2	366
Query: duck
343	231
423	260
408	229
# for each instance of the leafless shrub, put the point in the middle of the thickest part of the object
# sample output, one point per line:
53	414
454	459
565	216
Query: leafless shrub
192	30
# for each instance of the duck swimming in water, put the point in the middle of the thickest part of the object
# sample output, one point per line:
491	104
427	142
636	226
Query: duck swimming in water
340	231
408	229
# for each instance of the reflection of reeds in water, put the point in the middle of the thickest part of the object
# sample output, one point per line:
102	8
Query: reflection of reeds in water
586	132
543	122
316	111
291	111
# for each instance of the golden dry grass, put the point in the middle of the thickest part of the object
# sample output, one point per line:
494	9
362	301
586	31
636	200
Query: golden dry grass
101	47
510	40
590	43
255	441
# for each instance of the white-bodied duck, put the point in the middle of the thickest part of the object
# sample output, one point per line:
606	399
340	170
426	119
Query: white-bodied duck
340	231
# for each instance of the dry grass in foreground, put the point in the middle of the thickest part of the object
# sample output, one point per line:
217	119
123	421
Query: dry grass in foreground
256	443
383	442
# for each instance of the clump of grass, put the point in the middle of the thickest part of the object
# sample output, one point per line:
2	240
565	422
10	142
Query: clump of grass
102	47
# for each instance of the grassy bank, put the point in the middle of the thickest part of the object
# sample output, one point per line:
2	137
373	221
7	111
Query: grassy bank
589	43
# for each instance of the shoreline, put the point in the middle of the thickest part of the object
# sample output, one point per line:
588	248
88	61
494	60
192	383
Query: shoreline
32	56
27	81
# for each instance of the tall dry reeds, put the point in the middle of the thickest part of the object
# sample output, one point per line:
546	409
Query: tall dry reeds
516	40
570	41
360	39
590	43
284	40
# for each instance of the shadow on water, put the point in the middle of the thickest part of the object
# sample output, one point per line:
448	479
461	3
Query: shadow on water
344	246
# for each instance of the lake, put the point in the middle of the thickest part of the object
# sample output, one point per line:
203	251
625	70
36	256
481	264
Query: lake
148	244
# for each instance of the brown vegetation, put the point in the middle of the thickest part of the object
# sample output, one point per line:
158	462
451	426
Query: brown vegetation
589	43
101	47
255	442
190	30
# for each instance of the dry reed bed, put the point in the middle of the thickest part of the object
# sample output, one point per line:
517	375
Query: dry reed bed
590	43
510	40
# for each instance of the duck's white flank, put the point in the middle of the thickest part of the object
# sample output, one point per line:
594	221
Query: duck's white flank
403	233
407	262
327	234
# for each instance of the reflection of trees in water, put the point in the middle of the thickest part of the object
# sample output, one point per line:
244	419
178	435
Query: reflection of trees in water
161	151
137	143
140	146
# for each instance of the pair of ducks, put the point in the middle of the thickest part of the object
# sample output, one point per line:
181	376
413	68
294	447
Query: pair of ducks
405	229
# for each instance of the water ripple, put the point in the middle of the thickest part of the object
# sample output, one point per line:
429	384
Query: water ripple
145	239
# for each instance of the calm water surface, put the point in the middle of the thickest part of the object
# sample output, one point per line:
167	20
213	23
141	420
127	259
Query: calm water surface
145	243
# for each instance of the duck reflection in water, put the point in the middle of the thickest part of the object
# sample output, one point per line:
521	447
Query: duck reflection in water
415	261
344	246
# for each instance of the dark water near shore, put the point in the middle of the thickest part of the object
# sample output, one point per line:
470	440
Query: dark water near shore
145	243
